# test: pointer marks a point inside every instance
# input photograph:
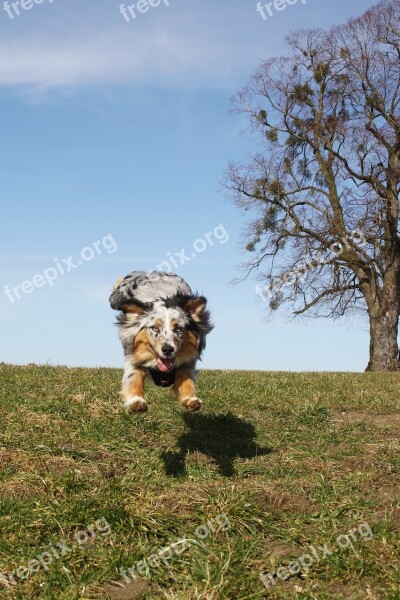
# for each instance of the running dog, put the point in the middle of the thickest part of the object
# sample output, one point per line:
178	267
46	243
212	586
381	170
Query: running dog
163	328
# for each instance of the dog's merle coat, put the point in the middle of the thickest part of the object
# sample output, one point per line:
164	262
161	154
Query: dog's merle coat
162	327
146	287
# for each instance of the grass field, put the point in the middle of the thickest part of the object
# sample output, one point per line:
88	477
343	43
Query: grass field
275	465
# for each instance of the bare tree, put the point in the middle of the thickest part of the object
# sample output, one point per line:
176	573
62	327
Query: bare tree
325	184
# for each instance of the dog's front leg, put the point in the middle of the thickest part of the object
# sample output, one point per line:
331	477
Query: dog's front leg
133	390
185	390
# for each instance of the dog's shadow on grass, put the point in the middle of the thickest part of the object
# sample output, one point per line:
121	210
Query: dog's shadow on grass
220	437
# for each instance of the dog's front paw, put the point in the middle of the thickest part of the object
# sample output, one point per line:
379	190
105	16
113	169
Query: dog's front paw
191	403
135	404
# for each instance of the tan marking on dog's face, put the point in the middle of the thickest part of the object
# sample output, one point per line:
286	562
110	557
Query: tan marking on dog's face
142	348
188	352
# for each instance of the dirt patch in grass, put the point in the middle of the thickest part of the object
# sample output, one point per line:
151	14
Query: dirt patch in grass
128	591
386	492
40	419
387	496
60	465
95	464
9	457
316	464
27	462
109	465
389	514
353	417
346	592
177	500
112	469
361	462
284	502
389	493
63	465
17	489
281	550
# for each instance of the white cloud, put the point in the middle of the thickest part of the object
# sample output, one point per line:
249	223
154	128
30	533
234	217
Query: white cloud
185	47
196	43
163	59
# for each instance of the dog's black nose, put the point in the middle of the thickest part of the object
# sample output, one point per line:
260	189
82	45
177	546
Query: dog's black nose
167	349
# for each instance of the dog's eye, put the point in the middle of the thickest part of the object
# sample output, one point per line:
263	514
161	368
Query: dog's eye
154	329
178	330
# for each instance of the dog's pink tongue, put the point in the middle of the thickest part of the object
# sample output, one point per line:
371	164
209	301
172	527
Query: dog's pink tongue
164	364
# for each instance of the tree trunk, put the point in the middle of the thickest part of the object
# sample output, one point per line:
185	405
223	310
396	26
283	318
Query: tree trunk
383	347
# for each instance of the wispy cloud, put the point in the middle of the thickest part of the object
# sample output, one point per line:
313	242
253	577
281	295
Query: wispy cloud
201	43
185	47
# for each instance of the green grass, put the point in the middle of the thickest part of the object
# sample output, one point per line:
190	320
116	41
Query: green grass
293	460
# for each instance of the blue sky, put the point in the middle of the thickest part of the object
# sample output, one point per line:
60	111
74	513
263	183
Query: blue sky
118	133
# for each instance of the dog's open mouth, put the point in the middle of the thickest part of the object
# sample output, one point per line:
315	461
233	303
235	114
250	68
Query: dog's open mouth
164	364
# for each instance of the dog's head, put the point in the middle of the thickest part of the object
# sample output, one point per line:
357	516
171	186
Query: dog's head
167	332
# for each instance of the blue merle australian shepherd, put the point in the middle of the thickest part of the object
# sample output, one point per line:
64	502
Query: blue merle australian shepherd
163	328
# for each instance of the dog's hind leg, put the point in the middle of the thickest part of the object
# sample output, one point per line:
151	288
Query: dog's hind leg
133	390
185	390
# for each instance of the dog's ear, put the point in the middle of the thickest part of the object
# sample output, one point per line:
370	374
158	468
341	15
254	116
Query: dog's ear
195	307
135	308
117	282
